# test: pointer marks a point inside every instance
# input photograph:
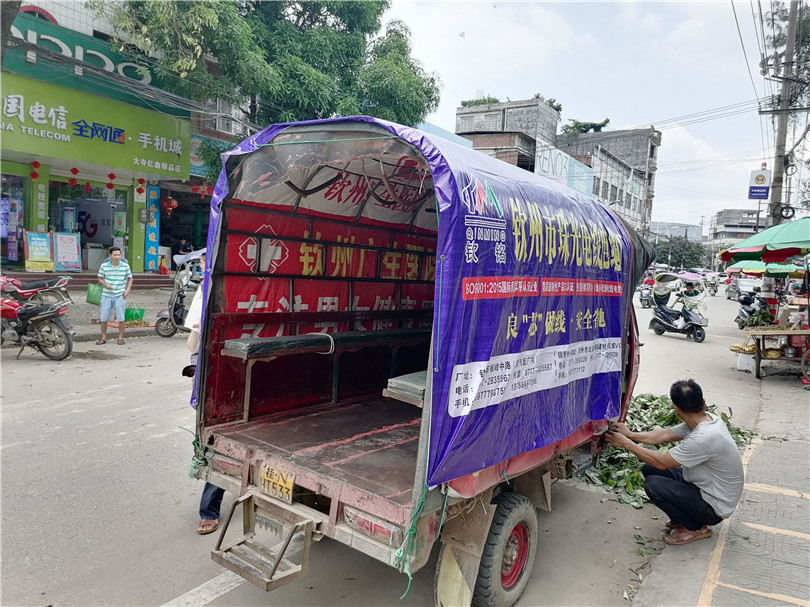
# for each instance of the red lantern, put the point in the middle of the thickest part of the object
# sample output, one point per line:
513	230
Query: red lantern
75	171
33	175
140	190
111	176
36	164
73	181
87	187
141	181
110	186
169	204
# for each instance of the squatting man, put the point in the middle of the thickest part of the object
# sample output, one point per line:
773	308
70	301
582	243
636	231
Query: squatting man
698	482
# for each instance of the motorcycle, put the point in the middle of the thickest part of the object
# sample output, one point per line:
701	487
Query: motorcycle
173	318
39	291
671	320
36	326
645	296
712	289
749	305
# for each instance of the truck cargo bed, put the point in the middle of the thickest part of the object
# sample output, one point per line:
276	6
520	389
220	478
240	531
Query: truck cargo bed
369	445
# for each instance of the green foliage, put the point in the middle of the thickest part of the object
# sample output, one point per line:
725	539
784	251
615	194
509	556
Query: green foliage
575	127
480	101
551	102
209	151
684	253
290	60
620	471
760	318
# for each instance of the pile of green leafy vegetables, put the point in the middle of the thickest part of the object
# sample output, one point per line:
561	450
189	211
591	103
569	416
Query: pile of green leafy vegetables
620	471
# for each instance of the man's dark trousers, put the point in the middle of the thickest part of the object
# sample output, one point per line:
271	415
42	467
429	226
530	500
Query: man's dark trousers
679	499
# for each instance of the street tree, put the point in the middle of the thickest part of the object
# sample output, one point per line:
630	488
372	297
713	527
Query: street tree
680	253
281	61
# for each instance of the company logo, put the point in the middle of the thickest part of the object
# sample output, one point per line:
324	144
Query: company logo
477	197
273	254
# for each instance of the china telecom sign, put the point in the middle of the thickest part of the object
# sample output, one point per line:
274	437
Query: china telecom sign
759	185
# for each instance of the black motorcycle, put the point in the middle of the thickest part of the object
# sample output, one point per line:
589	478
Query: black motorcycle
41	327
670	320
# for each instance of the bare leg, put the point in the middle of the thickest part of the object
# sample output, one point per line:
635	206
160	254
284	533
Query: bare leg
121	328
104	331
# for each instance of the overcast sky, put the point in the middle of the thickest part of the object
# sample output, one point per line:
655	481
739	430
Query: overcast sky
638	64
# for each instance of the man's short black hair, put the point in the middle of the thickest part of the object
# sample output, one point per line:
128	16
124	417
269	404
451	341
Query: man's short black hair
687	395
114	249
690	284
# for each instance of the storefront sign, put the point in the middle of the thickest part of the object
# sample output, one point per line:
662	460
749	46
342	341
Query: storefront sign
67	254
39	118
152	227
38	252
96	54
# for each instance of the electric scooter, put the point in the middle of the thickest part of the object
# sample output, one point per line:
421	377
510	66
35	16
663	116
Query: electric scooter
670	320
173	318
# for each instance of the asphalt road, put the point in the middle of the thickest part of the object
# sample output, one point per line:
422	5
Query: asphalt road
97	508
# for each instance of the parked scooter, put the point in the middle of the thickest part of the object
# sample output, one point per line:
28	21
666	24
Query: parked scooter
173	318
42	292
42	327
671	320
645	296
749	305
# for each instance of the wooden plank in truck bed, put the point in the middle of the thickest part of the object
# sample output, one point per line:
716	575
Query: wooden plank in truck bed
370	445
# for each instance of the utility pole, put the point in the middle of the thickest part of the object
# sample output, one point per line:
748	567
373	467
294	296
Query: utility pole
782	118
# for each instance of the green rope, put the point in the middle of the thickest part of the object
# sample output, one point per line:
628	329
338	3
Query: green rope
201	458
402	557
328	140
438	318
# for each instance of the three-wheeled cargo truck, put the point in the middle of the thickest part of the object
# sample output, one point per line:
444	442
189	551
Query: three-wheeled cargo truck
403	342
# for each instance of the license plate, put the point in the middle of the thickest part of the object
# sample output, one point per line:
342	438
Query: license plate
277	483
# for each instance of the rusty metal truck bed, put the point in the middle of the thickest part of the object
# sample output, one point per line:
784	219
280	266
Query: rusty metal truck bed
370	445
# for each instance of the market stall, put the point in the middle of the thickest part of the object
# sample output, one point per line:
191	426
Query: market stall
780	251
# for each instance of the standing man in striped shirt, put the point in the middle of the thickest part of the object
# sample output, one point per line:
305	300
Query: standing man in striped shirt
116	278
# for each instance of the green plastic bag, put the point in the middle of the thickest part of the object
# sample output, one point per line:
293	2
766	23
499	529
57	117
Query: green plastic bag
133	313
94	294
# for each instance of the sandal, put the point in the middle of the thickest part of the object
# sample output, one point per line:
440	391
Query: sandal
670	525
684	536
207	526
121	342
101	342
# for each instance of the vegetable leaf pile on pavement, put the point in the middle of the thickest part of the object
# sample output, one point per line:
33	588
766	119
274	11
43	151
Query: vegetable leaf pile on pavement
620	471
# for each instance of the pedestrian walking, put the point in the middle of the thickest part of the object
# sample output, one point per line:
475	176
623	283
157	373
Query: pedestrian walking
115	276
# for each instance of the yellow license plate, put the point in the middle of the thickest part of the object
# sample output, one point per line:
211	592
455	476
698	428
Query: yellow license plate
277	483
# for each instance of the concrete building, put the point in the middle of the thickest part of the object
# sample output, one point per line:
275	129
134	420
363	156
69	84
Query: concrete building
730	226
624	165
615	168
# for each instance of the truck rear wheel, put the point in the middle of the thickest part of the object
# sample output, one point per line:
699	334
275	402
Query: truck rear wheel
509	553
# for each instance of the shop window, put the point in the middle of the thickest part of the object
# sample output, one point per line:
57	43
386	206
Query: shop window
11	216
97	213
